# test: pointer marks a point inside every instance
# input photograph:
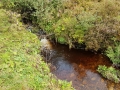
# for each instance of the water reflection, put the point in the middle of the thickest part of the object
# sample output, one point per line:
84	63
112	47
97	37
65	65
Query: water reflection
79	67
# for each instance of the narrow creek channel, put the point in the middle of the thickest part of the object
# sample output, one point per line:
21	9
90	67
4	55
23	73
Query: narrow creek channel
77	66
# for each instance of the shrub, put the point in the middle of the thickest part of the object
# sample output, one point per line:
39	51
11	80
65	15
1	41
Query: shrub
102	34
73	28
108	8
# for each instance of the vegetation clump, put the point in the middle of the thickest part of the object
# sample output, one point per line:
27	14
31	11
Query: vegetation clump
114	54
110	73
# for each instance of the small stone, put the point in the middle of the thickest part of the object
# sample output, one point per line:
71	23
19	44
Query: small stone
93	79
82	85
102	80
72	75
84	82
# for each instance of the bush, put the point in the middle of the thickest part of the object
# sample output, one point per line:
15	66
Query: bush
108	8
102	34
73	28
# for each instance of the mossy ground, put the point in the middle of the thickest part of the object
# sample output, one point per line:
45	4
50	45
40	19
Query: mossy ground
21	66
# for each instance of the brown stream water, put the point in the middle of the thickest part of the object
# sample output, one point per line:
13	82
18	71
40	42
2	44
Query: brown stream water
79	67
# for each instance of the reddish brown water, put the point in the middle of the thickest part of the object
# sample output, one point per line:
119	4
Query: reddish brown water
79	66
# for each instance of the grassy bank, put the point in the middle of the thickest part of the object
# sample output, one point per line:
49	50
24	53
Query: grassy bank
21	66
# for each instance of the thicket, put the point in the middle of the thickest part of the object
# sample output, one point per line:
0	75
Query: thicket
92	22
21	66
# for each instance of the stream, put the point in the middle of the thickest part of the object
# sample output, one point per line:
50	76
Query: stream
77	66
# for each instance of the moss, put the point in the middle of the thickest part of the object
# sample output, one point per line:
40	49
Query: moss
21	66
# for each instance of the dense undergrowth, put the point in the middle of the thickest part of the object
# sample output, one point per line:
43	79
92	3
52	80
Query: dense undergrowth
94	23
21	66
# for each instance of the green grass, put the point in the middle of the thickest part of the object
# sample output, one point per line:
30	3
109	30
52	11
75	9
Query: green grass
21	66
